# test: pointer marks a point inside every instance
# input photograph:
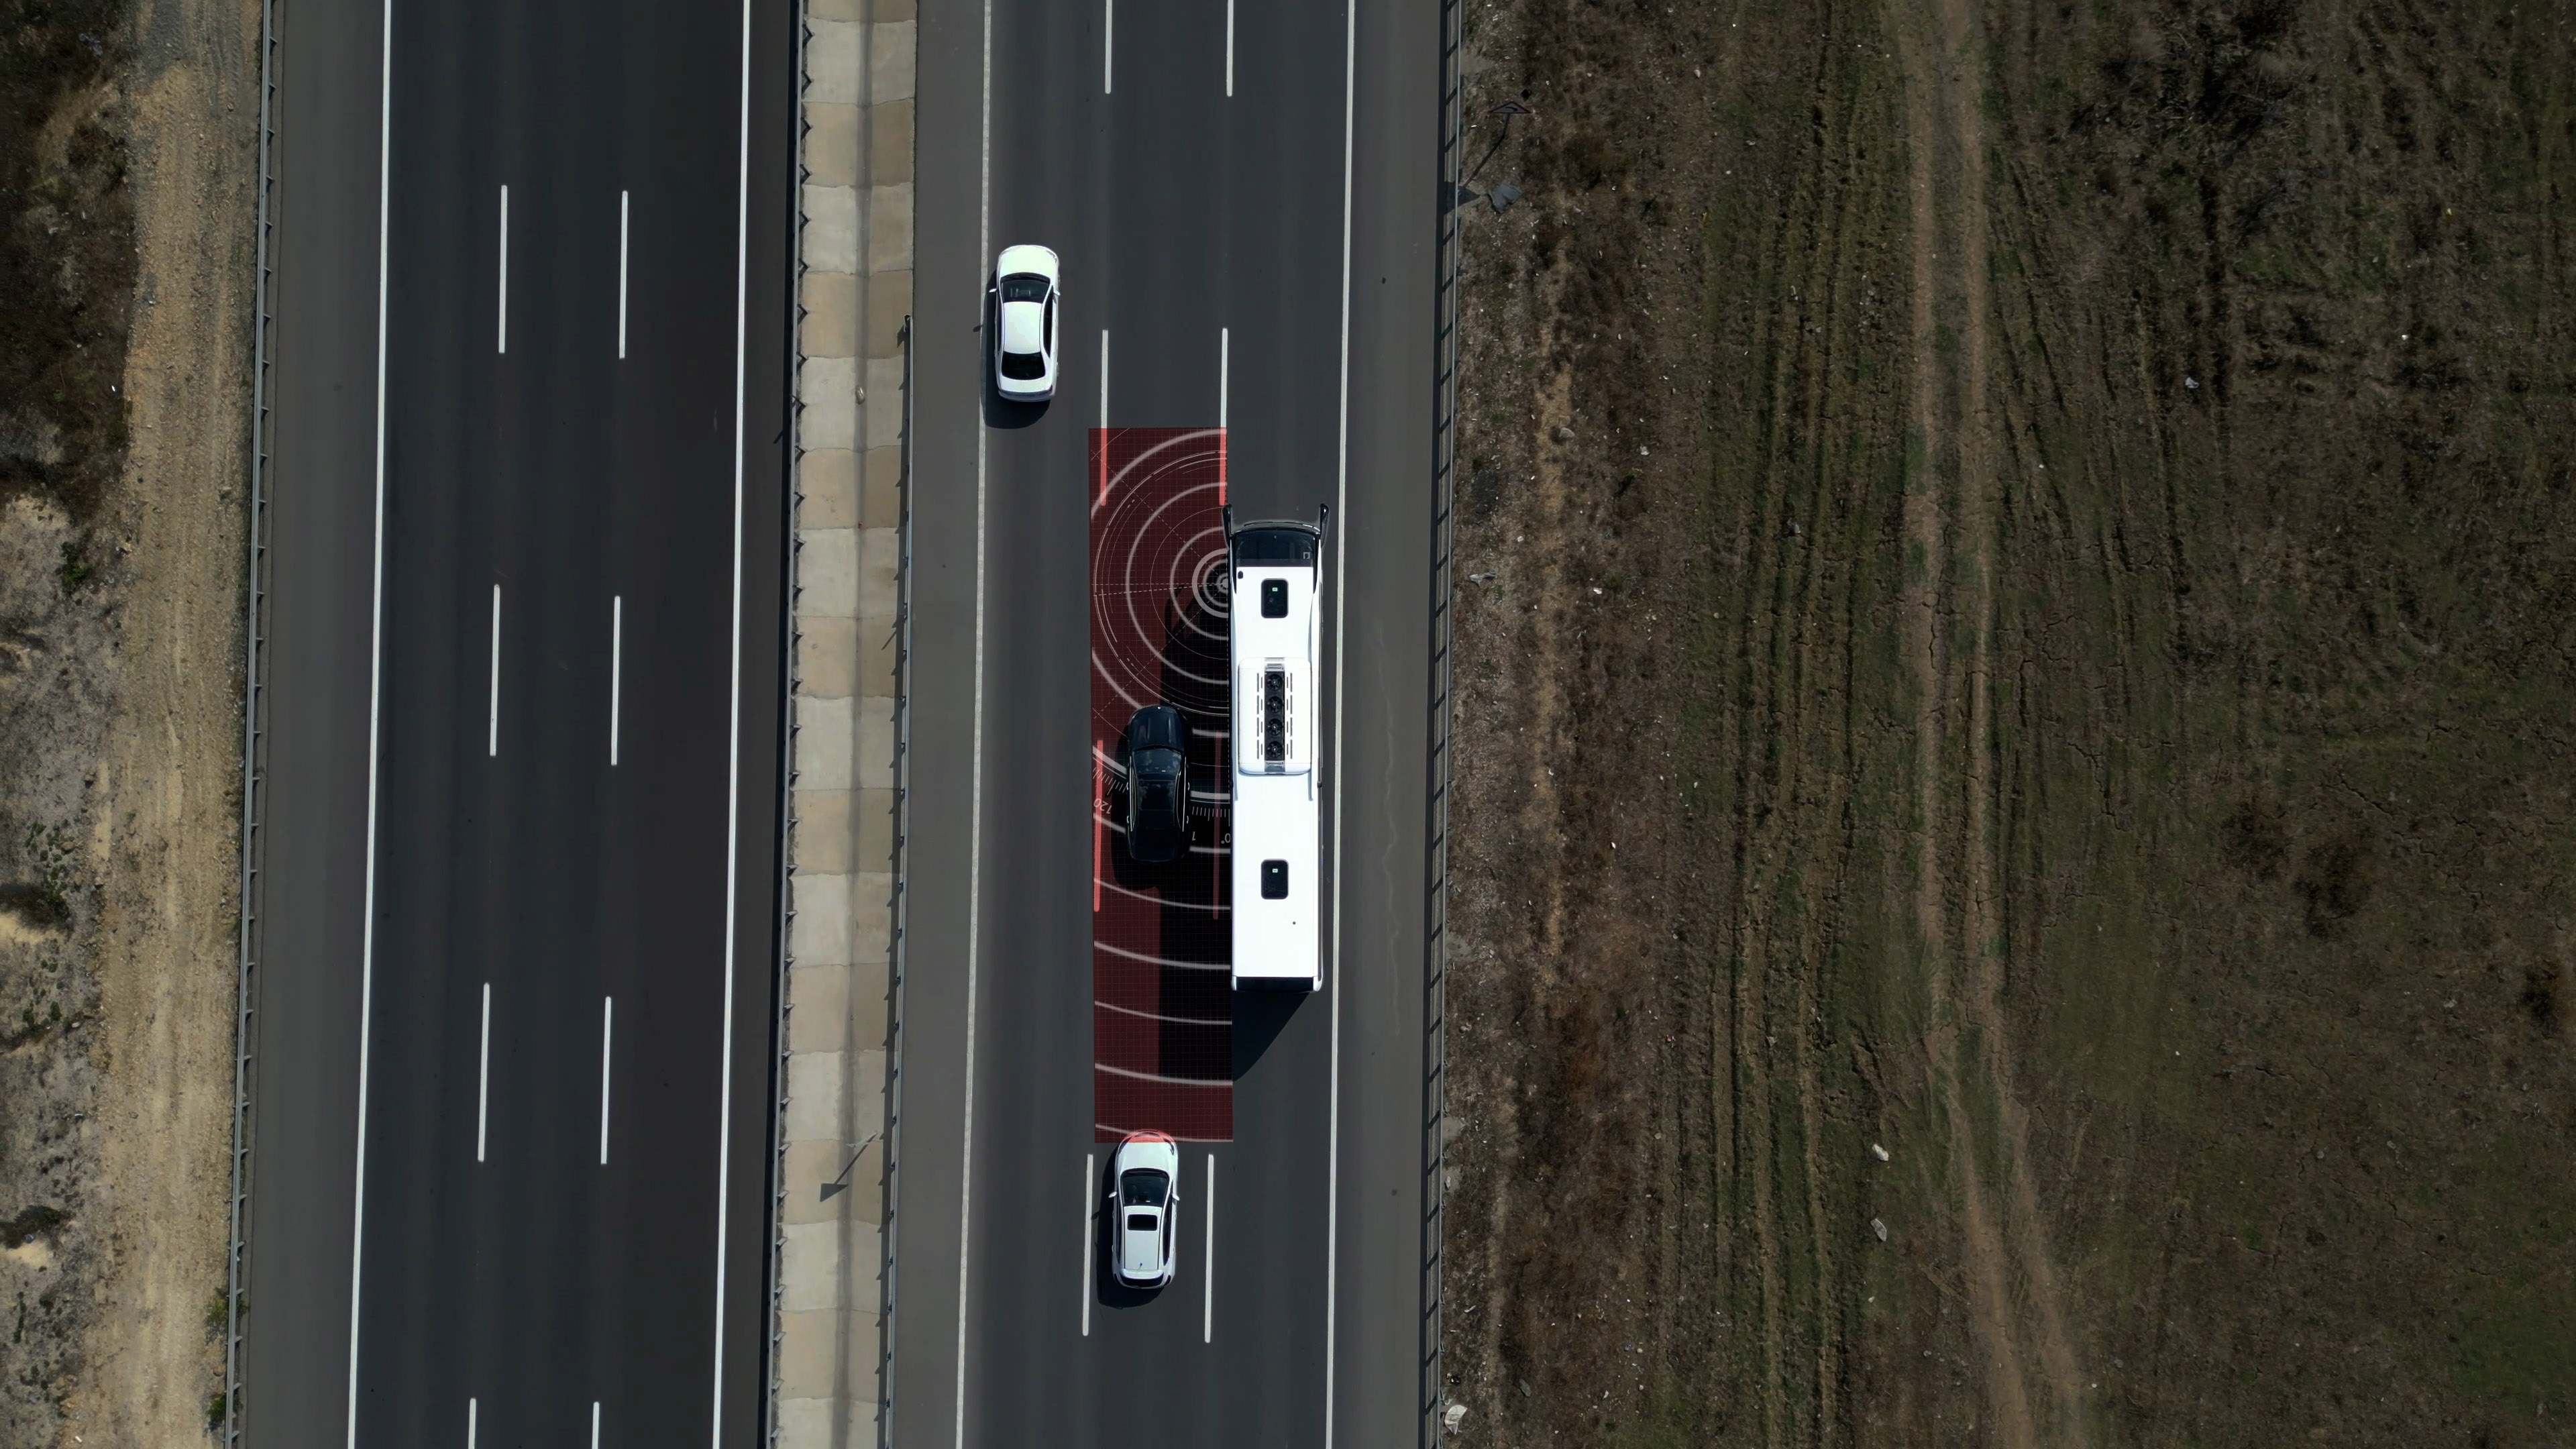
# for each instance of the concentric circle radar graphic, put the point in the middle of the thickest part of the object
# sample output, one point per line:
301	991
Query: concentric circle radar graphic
1160	596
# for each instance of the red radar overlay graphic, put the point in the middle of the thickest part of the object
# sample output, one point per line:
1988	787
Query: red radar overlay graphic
1162	1012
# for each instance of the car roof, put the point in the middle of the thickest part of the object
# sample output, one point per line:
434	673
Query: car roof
1140	1251
1023	327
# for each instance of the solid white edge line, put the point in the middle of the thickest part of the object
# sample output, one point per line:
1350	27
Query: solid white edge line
504	337
1108	40
1224	371
1207	1275
1090	1232
1104	379
975	772
621	276
607	1044
483	1076
733	731
616	668
375	711
1229	49
492	739
1341	576
470	1416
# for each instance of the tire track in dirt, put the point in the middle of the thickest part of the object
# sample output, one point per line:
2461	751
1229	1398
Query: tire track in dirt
1804	532
1788	818
2008	720
1773	616
1948	627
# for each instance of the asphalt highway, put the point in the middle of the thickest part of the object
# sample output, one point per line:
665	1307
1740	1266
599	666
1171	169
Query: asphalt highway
510	1166
1298	218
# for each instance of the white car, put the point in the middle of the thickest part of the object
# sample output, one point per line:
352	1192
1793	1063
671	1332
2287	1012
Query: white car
1146	1201
1026	288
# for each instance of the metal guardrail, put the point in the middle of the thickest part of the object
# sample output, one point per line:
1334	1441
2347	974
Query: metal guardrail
254	739
902	895
1444	455
783	924
781	1008
782	959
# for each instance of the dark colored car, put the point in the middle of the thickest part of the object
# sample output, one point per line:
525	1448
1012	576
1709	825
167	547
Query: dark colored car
1155	753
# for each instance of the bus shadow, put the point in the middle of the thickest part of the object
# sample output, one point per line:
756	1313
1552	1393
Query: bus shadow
1259	1017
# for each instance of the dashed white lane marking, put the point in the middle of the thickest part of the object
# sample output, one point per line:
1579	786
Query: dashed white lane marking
1207	1275
594	1424
621	276
470	1416
1090	1232
492	734
483	1075
505	268
1229	58
1224	370
1104	377
616	667
1108	40
607	1035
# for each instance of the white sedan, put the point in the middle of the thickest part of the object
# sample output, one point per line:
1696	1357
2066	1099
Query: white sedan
1146	1200
1026	288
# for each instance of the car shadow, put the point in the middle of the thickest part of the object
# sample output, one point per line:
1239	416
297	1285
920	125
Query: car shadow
999	411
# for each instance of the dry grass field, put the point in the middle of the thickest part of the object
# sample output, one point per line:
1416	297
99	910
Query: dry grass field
2015	818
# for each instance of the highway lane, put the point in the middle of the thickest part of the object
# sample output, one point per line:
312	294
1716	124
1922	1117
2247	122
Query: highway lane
310	848
1178	211
512	864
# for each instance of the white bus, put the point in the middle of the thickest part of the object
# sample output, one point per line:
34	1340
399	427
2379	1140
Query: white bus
1277	811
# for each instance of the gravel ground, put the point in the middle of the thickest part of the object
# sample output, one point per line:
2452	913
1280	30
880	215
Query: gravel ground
126	427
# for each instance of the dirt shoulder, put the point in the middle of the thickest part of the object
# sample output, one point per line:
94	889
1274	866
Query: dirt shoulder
120	711
2011	827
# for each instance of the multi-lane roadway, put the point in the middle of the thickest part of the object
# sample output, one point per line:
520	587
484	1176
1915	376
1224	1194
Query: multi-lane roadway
518	855
523	682
1244	200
